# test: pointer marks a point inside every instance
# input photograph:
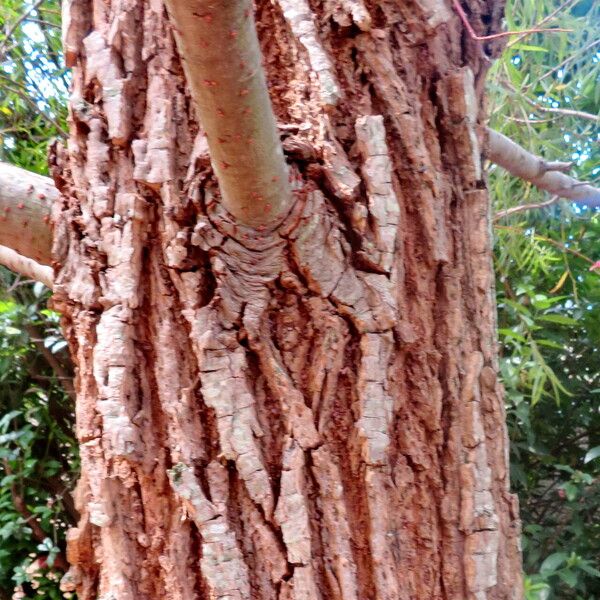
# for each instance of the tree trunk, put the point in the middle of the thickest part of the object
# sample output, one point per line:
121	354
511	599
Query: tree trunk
311	413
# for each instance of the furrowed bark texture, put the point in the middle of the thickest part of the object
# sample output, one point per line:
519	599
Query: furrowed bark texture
311	413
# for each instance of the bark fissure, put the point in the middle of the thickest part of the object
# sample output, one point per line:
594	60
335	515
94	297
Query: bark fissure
309	412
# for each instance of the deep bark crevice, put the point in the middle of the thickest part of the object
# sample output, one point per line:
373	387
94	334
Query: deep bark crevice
304	413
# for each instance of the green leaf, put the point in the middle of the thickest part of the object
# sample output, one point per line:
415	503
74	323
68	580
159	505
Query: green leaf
7	480
529	48
7	418
550	344
510	333
591	454
559	319
571	490
569	577
585	566
552	562
11	330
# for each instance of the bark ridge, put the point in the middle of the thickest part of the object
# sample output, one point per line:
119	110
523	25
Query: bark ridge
306	413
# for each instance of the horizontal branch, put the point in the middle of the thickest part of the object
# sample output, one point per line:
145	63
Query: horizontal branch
25	226
541	23
548	176
569	112
222	61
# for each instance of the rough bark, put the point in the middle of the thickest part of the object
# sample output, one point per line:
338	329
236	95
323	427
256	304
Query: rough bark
307	413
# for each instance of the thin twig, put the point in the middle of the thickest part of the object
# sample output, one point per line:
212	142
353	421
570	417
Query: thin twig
16	24
542	22
543	238
569	59
36	529
523	207
35	335
42	22
53	56
561	111
565	111
495	36
33	105
530	121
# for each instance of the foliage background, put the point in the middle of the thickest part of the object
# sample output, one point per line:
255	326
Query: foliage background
544	92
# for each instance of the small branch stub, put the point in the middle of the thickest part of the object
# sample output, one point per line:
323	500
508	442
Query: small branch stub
222	61
545	175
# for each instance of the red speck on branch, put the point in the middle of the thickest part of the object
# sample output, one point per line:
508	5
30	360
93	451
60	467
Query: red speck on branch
42	196
20	205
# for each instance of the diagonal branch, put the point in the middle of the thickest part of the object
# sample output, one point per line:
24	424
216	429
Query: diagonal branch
524	207
545	175
569	59
548	109
233	106
26	266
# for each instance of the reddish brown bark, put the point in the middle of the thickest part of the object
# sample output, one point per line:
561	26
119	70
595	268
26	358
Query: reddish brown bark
312	413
